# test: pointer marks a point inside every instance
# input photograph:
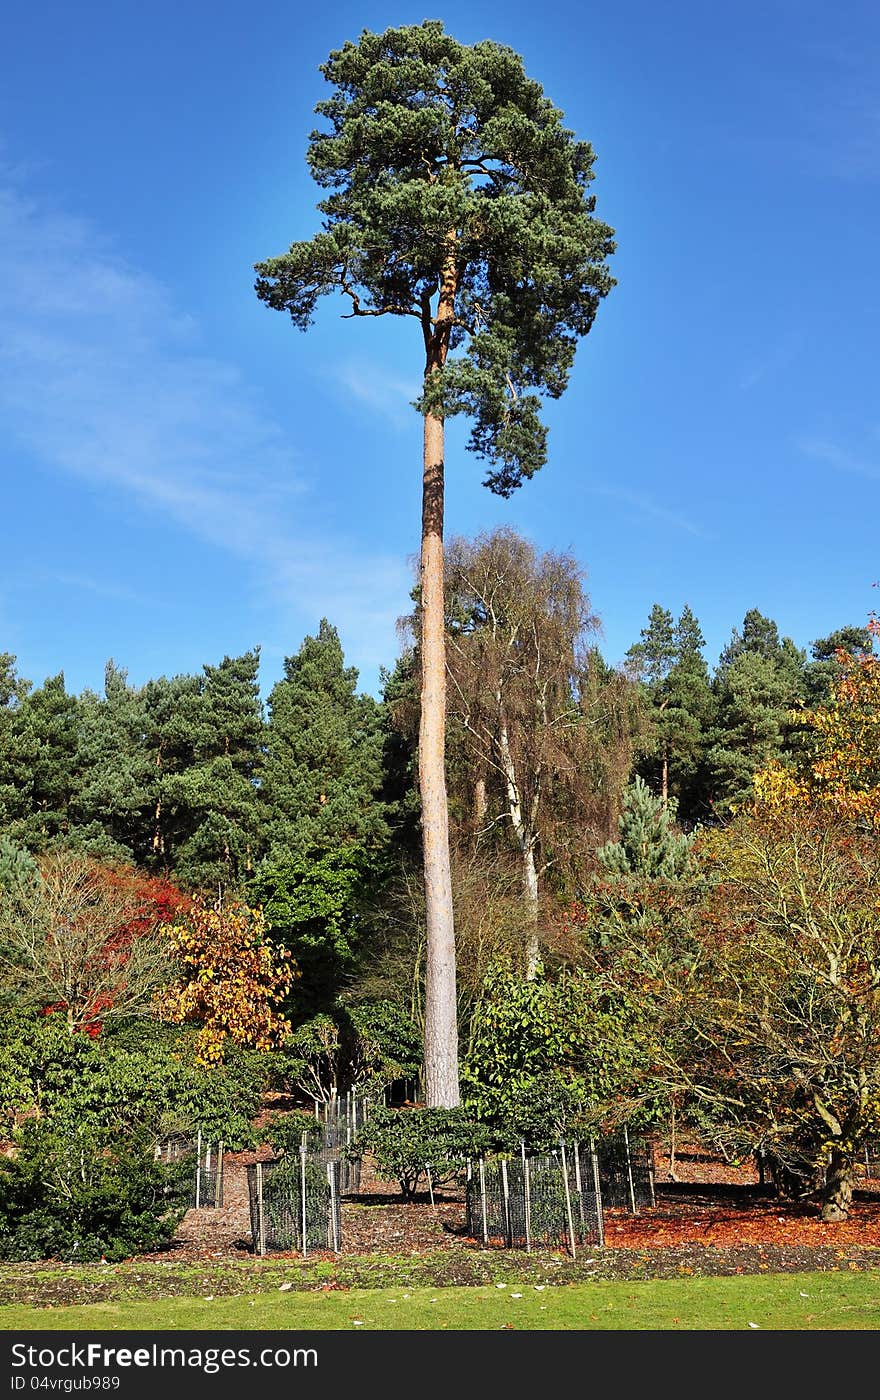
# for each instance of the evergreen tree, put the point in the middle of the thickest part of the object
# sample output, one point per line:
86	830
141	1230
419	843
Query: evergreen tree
169	742
13	752
44	738
649	845
760	637
18	869
218	796
670	664
652	657
759	681
824	671
400	725
323	770
113	800
457	198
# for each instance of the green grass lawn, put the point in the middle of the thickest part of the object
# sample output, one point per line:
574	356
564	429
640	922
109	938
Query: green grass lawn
818	1301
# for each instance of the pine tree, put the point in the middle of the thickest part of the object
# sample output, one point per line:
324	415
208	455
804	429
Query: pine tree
670	664
116	772
652	657
218	796
13	752
456	198
825	670
169	741
649	845
44	739
323	770
759	681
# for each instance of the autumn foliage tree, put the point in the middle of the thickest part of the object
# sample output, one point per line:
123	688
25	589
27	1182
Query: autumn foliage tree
231	977
84	938
841	770
788	1006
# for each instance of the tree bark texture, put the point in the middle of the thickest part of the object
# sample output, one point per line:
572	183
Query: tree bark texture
838	1188
441	1009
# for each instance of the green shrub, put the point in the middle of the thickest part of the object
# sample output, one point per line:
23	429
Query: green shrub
132	1079
284	1133
405	1142
74	1192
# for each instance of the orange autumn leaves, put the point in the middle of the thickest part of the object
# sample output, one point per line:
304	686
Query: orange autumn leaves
842	772
232	979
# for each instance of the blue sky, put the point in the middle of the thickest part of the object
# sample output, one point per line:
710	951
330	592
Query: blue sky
185	475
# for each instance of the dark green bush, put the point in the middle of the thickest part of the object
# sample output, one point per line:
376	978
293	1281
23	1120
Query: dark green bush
73	1192
284	1132
131	1078
405	1142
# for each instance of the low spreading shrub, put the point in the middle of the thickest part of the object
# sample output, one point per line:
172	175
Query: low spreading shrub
71	1192
407	1142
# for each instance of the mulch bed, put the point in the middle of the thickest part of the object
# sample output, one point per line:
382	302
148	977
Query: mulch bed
714	1219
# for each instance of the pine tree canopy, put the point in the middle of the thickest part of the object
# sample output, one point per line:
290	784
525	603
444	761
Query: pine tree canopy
455	196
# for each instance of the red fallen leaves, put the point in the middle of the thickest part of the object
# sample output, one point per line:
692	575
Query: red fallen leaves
756	1223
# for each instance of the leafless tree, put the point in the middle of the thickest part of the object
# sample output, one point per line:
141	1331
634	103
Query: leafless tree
546	727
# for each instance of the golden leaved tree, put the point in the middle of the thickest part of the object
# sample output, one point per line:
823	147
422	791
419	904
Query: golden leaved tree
231	978
842	771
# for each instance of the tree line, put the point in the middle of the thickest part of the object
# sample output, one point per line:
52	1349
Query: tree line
195	778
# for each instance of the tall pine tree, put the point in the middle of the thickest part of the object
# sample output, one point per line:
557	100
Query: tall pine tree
217	798
758	682
670	664
458	199
323	768
116	773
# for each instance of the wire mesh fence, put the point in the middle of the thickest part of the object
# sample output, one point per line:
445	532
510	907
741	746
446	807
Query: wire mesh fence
206	1190
294	1204
336	1123
327	1145
626	1171
553	1199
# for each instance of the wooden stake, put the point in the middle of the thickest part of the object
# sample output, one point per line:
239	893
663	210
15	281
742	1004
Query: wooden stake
483	1200
302	1165
218	1194
527	1197
261	1220
629	1172
579	1186
600	1213
567	1199
334	1233
505	1195
198	1169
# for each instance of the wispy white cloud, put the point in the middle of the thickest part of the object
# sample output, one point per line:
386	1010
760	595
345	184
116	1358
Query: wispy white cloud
831	454
102	377
646	506
380	390
770	362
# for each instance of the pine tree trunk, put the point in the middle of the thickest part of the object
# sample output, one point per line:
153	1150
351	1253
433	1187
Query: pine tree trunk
838	1188
441	1012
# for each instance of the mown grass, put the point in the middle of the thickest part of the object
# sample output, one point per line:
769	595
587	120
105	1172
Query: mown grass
798	1302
